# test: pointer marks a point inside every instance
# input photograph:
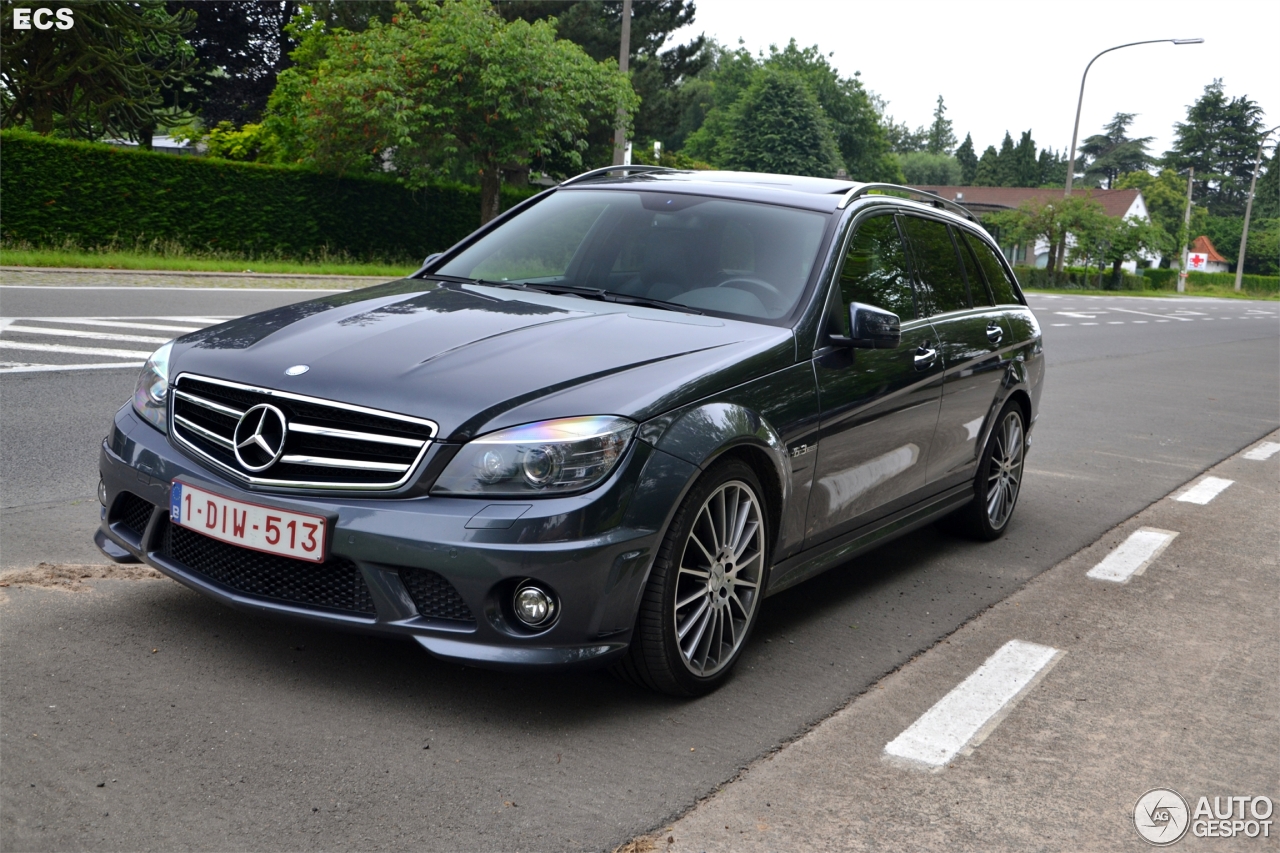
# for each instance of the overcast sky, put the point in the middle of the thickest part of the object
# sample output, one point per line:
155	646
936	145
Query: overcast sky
1016	65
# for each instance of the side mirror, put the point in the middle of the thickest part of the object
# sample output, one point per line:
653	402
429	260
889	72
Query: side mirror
873	328
431	258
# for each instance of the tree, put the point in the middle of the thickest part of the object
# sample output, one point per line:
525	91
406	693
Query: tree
968	161
658	75
1026	168
778	126
1165	196
105	75
852	113
443	84
1052	167
1266	196
1051	220
987	173
904	140
1113	152
921	168
1006	164
941	139
1220	139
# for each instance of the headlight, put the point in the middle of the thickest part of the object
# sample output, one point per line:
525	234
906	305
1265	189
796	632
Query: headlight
151	397
545	458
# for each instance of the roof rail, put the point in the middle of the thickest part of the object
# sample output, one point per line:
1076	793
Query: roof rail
935	200
595	173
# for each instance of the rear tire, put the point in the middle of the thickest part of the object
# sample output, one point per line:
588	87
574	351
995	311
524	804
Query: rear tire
998	481
704	591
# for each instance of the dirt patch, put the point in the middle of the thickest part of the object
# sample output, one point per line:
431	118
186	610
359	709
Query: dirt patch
643	844
72	578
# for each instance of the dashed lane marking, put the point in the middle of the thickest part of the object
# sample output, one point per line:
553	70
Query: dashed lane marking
1204	491
1263	451
1133	555
102	351
962	719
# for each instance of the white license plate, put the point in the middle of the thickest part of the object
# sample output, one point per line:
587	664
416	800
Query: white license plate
261	528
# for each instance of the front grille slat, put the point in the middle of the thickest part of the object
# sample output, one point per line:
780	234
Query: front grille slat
329	445
336	584
132	513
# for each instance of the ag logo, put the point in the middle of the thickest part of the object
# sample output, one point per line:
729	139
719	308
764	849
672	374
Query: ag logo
1161	816
42	18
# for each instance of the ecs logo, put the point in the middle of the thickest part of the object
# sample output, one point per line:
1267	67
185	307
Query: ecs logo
24	19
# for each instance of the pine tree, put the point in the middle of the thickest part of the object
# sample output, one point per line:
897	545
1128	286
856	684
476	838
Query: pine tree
941	139
1006	164
1026	167
1114	153
987	174
968	161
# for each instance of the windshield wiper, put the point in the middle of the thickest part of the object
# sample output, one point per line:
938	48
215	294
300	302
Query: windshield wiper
611	296
461	279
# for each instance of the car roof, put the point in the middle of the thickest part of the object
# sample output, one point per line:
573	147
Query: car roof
821	194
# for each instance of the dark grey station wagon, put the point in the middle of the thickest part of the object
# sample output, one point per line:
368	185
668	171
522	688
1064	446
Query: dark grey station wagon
600	430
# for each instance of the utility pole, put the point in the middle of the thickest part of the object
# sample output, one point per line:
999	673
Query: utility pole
624	60
1186	234
1248	207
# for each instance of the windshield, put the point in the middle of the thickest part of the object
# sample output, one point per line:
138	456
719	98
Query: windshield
730	257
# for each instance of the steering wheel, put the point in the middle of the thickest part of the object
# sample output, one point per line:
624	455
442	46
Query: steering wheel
762	290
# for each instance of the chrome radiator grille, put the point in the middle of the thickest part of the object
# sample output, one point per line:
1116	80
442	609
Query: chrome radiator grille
309	443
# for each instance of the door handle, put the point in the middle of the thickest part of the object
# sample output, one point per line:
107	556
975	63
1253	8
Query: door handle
994	333
925	356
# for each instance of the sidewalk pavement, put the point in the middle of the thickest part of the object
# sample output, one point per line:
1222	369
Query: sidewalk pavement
1170	680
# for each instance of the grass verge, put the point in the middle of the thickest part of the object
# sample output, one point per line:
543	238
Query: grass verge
176	258
1222	293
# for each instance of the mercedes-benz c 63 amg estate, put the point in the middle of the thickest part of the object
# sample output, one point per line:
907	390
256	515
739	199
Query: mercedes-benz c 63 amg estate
600	430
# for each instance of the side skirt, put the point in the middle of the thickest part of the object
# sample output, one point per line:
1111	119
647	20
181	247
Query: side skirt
828	555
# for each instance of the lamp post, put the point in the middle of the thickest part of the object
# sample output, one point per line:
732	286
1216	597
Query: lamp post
1248	207
1075	133
1186	234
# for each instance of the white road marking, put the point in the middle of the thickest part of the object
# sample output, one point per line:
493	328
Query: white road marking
110	324
24	367
1088	324
77	333
1204	491
1133	555
109	353
1149	314
1263	451
1136	322
1059	324
1115	322
1077	314
963	718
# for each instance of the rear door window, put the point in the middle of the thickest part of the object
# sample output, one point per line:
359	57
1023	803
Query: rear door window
997	278
875	270
978	290
937	265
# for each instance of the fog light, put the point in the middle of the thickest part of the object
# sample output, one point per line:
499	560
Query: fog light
533	605
102	492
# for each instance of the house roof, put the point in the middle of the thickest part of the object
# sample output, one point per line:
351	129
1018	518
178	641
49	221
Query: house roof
1204	246
985	199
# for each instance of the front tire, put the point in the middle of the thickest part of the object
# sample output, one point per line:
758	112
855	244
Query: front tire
704	591
998	481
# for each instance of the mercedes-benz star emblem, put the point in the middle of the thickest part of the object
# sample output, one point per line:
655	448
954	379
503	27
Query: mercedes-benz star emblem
259	437
297	370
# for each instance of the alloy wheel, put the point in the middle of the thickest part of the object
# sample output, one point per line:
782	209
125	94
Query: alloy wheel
1004	475
718	579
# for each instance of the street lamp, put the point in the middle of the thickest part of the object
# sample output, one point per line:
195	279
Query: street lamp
1075	133
1248	207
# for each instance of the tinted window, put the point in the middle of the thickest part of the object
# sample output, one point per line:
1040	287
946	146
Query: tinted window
741	258
1001	287
875	270
978	289
937	265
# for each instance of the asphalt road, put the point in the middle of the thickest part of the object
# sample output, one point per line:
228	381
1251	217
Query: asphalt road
243	733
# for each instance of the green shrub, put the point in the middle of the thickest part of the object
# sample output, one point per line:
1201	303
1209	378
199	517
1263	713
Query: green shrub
1076	278
1167	279
92	194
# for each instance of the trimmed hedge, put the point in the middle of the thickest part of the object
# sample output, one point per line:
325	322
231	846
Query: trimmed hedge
1168	280
97	194
1075	278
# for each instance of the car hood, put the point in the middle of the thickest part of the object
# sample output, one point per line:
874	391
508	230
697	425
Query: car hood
475	358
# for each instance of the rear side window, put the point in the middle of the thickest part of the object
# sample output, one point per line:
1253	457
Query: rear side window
937	266
997	278
875	270
978	289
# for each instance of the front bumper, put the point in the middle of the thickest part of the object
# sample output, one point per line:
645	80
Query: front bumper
593	550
